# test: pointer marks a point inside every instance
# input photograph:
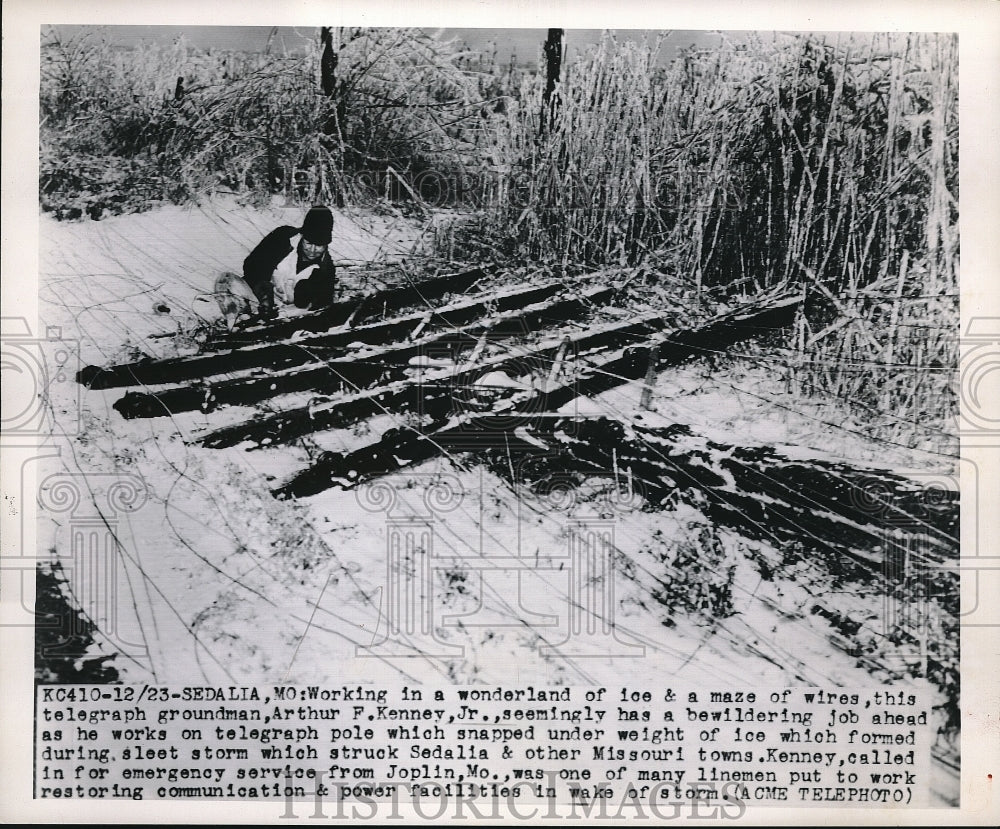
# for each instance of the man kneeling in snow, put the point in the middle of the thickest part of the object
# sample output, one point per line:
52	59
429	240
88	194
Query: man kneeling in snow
296	262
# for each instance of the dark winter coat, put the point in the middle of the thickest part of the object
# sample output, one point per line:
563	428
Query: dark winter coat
259	266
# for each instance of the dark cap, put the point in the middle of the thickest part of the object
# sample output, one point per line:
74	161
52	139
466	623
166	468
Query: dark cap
317	227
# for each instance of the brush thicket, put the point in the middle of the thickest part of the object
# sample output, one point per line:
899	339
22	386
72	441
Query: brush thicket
125	128
824	165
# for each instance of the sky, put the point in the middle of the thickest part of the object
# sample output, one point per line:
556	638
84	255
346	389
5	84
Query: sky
524	43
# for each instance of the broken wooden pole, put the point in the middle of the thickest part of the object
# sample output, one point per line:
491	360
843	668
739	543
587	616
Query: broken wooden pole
432	394
821	507
381	365
827	506
310	349
360	309
603	370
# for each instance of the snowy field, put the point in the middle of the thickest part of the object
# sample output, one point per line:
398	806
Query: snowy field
219	582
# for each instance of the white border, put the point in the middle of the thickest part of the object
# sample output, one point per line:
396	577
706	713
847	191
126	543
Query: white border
978	25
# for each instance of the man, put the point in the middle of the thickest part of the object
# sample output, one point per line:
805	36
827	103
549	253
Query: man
297	262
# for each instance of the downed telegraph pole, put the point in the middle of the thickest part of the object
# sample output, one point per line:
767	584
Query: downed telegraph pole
756	490
829	507
359	309
382	365
401	447
277	356
431	394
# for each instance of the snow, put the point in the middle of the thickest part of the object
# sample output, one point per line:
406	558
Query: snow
221	582
107	277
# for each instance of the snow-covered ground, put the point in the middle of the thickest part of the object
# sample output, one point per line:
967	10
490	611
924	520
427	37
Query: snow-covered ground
217	581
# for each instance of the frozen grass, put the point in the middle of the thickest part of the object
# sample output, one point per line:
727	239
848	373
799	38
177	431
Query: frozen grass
122	130
823	165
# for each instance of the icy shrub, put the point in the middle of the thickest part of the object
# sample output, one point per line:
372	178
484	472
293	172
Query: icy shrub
699	573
